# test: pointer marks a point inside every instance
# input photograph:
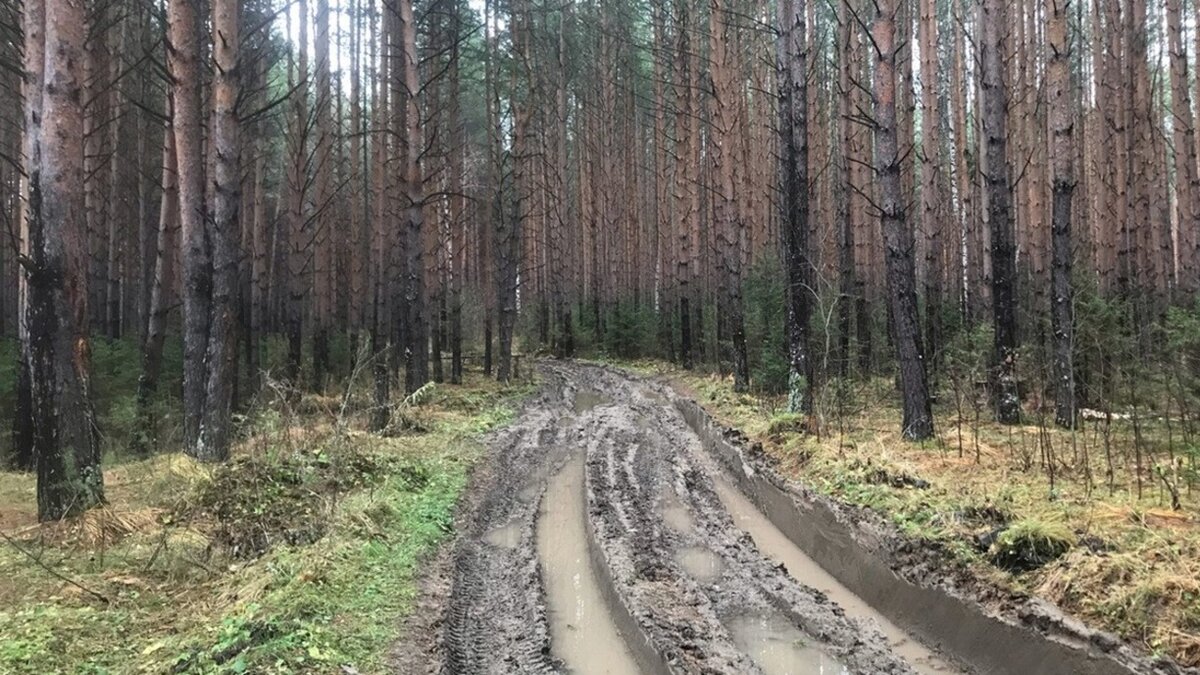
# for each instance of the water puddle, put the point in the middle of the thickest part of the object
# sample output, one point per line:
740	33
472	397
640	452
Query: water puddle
505	536
776	546
585	400
582	632
779	648
676	515
700	563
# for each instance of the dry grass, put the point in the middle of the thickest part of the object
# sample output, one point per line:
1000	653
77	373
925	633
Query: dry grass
145	583
1134	568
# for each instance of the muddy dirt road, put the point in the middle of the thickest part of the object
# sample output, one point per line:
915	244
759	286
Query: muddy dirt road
602	537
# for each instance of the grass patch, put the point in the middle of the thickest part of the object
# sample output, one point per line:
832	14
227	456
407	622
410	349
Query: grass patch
298	556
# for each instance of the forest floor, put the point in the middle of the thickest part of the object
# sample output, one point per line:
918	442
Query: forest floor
1043	511
607	531
503	530
300	555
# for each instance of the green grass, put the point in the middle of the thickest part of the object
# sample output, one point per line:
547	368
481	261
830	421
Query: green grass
178	601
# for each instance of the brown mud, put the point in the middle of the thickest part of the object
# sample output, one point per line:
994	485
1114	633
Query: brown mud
616	529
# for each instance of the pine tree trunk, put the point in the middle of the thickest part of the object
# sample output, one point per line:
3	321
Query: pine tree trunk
323	217
66	445
1003	246
793	125
224	234
898	238
416	320
728	221
1062	156
188	127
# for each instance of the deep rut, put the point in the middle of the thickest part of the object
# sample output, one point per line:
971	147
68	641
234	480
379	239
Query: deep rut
595	540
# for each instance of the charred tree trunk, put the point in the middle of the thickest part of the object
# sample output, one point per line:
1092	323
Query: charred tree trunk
793	126
66	445
999	193
1062	158
898	238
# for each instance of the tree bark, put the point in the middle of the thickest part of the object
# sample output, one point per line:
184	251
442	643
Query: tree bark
1062	157
999	189
221	352
416	319
728	220
188	127
898	238
66	445
793	126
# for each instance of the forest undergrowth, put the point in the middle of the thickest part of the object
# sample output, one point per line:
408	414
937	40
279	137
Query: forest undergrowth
1035	508
299	555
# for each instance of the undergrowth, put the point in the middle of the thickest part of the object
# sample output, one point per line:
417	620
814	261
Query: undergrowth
299	555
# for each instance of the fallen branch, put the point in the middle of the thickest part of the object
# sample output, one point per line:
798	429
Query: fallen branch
99	596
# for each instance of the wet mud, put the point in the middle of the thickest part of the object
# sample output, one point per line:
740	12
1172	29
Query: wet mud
614	529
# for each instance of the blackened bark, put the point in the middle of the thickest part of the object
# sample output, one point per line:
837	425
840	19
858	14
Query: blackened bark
66	445
1062	150
793	125
999	188
898	238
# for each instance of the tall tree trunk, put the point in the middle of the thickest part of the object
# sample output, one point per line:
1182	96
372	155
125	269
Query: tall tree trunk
298	269
221	354
999	189
793	126
684	181
728	221
416	319
323	218
848	285
378	278
66	445
934	195
1062	157
188	127
1187	183
898	238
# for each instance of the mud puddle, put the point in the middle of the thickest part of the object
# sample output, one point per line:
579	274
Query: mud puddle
582	632
676	515
586	400
507	536
700	563
776	546
779	648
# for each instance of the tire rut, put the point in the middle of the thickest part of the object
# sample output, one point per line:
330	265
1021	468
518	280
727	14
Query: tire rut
688	590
